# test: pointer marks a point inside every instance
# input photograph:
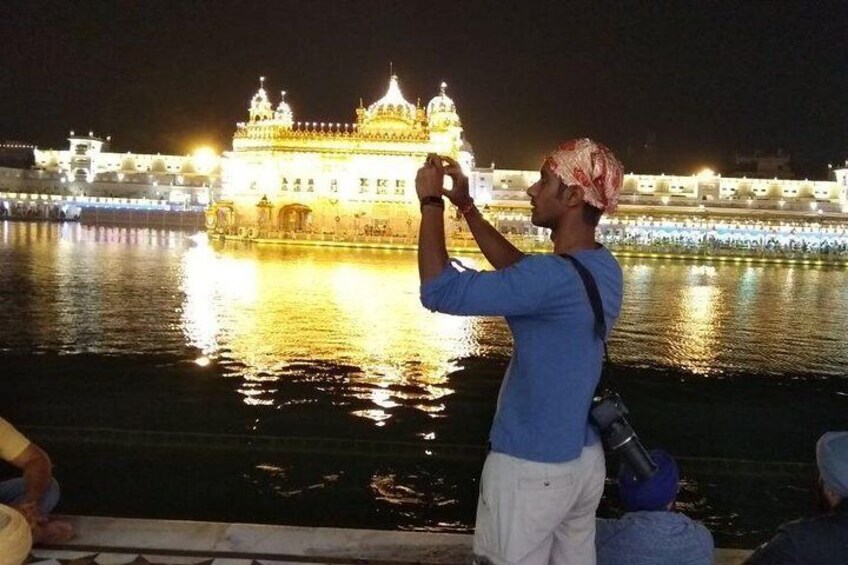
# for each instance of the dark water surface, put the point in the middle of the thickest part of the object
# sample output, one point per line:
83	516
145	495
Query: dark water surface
138	329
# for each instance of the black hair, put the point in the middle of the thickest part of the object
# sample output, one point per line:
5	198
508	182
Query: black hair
591	215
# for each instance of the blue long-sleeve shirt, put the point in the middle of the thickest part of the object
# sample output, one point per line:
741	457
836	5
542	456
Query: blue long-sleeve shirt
544	402
653	538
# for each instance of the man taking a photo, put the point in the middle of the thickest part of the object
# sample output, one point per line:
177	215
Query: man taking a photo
544	476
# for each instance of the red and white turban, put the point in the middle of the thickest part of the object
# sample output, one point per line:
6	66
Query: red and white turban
592	166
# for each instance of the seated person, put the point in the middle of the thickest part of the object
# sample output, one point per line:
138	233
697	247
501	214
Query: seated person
15	537
823	539
36	493
651	533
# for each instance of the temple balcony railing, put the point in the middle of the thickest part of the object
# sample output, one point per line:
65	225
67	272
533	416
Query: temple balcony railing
805	206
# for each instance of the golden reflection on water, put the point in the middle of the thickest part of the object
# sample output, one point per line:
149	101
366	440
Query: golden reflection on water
271	308
698	321
349	323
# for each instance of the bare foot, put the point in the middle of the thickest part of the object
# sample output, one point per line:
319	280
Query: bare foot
52	532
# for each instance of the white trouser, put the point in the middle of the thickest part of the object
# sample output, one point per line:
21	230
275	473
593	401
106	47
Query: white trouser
531	513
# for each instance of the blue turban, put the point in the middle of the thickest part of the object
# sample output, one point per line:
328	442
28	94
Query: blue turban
655	492
832	459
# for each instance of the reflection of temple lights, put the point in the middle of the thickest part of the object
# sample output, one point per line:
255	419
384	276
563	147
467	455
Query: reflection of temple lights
199	319
387	489
267	313
381	397
378	416
209	282
698	324
433	411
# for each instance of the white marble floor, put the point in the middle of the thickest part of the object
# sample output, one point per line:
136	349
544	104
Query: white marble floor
124	541
120	541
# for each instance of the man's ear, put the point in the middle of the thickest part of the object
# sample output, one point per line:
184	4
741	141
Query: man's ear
575	195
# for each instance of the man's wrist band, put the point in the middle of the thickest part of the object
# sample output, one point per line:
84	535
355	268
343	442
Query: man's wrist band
433	201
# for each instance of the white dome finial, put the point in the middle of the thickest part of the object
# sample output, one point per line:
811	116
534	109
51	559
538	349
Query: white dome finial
441	111
284	115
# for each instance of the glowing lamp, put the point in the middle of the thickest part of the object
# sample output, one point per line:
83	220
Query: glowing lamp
204	159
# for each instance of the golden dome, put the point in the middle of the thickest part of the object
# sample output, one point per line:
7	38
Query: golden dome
283	114
441	111
392	110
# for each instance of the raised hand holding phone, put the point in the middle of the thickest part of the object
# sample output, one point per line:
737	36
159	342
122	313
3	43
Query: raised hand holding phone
430	179
458	194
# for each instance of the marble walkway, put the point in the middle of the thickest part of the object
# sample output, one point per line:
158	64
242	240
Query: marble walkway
123	541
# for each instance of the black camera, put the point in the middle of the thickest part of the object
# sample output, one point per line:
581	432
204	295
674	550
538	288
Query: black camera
608	414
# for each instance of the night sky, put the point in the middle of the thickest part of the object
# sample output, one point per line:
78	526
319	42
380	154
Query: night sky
702	80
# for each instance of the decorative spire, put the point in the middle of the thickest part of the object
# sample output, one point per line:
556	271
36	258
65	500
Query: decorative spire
260	106
444	87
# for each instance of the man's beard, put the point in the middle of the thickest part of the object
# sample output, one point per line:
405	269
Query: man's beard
542	223
820	501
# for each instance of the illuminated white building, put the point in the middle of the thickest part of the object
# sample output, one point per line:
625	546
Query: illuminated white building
85	167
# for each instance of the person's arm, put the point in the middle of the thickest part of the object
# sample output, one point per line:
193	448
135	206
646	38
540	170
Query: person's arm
779	550
37	472
432	252
496	248
518	290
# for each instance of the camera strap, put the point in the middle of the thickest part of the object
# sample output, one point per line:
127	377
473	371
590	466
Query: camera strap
600	322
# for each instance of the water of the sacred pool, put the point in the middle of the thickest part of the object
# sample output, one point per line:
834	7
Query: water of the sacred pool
143	330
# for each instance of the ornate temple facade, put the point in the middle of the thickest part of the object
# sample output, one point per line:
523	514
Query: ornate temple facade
285	176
